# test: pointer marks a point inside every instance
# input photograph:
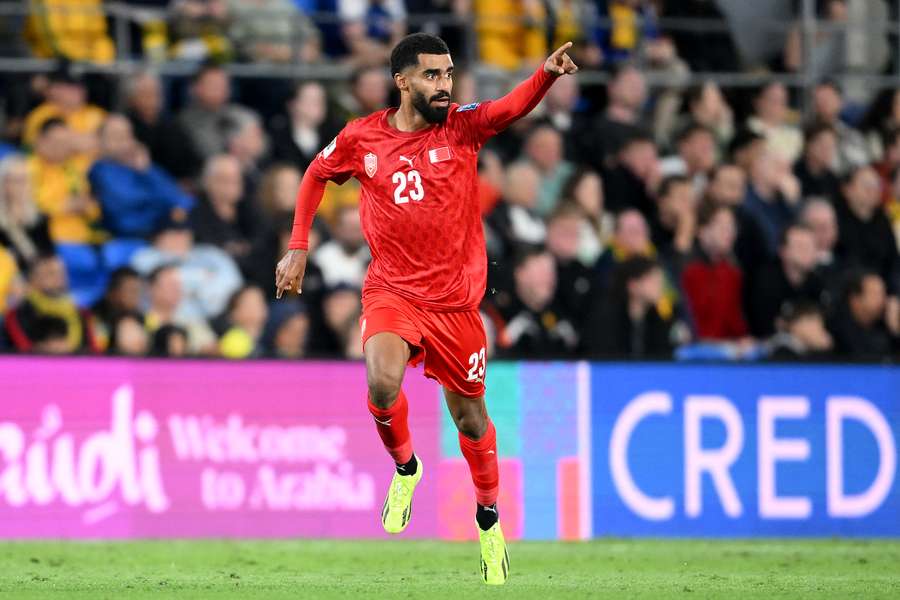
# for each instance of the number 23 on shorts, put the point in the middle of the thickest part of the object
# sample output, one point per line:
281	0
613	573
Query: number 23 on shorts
477	365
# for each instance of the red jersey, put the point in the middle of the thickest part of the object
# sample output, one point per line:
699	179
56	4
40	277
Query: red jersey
419	204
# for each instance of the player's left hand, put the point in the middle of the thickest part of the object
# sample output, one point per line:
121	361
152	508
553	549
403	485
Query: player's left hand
559	62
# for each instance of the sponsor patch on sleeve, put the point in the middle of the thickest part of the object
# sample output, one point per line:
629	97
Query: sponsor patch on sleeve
466	107
327	150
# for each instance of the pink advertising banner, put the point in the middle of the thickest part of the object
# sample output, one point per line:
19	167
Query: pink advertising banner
141	449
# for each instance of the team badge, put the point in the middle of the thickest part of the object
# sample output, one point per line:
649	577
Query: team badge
371	163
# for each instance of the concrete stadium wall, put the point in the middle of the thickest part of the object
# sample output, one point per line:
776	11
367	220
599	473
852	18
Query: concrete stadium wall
113	448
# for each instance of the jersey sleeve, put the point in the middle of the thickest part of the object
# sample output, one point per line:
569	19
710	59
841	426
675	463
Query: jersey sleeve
479	121
333	163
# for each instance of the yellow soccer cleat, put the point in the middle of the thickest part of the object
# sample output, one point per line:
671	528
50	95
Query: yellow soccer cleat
397	510
494	555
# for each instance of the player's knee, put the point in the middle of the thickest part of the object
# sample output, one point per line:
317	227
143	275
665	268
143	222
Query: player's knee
383	386
471	420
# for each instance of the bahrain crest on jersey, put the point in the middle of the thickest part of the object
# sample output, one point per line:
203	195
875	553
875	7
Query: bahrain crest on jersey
371	163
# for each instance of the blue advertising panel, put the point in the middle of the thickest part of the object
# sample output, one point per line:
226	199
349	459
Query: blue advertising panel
709	450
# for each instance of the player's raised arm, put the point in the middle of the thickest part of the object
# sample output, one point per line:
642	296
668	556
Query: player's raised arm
524	97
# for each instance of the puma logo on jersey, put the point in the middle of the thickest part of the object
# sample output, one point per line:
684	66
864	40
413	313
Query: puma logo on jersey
385	423
408	160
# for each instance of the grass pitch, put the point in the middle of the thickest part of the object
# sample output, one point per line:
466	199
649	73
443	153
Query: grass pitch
360	570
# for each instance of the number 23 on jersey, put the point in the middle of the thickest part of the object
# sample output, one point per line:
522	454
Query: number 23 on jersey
407	185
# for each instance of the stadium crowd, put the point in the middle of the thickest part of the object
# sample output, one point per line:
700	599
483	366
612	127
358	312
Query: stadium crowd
145	215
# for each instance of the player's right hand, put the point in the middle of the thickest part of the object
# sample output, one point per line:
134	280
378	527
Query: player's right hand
290	271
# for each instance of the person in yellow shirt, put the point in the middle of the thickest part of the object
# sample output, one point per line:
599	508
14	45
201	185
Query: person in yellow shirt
59	181
10	280
67	100
74	29
511	33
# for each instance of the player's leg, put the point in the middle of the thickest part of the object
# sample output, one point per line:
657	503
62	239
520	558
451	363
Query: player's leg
455	355
387	351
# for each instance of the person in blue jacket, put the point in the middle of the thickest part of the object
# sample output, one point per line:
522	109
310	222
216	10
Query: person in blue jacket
136	197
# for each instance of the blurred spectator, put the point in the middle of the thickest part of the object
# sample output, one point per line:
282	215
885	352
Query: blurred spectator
584	189
772	197
11	285
128	336
771	119
510	35
123	296
48	296
241	326
371	28
792	279
209	116
819	215
66	99
631	238
165	301
136	197
368	93
814	170
23	230
575	281
561	110
675	225
865	236
882	117
207	274
337	333
272	31
859	327
634	178
287	330
170	341
628	322
169	144
246	141
73	29
712	283
298	138
608	133
60	186
728	187
544	150
532	324
745	148
223	216
707	107
344	258
708	49
828	102
278	191
801	334
490	180
515	219
696	156
198	29
889	165
631	32
50	335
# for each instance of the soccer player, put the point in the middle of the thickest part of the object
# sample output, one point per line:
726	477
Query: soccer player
420	215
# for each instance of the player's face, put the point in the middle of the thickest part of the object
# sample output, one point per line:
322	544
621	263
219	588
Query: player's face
430	84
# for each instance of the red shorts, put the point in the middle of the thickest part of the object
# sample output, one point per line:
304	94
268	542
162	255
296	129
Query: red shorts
452	344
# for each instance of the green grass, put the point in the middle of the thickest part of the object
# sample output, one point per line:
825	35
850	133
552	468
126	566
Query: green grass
425	569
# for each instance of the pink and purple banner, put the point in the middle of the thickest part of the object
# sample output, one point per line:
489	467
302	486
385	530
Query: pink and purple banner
121	449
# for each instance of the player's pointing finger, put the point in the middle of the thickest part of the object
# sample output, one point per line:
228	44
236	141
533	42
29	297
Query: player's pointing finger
561	49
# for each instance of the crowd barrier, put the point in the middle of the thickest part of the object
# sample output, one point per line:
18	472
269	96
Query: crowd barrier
118	448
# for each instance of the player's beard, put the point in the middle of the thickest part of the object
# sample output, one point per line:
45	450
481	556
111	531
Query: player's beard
432	114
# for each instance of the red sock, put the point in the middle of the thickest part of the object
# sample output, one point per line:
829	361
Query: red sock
393	428
481	454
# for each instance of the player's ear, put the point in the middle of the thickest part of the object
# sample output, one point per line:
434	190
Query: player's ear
401	82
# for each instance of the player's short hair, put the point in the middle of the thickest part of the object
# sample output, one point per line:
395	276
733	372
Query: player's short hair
406	52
